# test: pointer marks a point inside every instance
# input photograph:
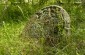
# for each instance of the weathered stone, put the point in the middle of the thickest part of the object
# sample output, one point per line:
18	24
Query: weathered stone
51	21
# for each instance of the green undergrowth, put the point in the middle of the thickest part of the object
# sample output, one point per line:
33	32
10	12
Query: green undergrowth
12	44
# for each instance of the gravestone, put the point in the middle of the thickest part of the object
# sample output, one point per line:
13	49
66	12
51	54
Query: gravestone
50	22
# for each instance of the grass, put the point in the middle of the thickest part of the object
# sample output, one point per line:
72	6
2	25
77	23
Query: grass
12	44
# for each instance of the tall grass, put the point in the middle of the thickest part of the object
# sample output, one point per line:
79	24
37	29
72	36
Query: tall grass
12	44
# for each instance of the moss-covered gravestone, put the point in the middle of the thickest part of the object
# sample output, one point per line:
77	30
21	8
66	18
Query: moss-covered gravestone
51	22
